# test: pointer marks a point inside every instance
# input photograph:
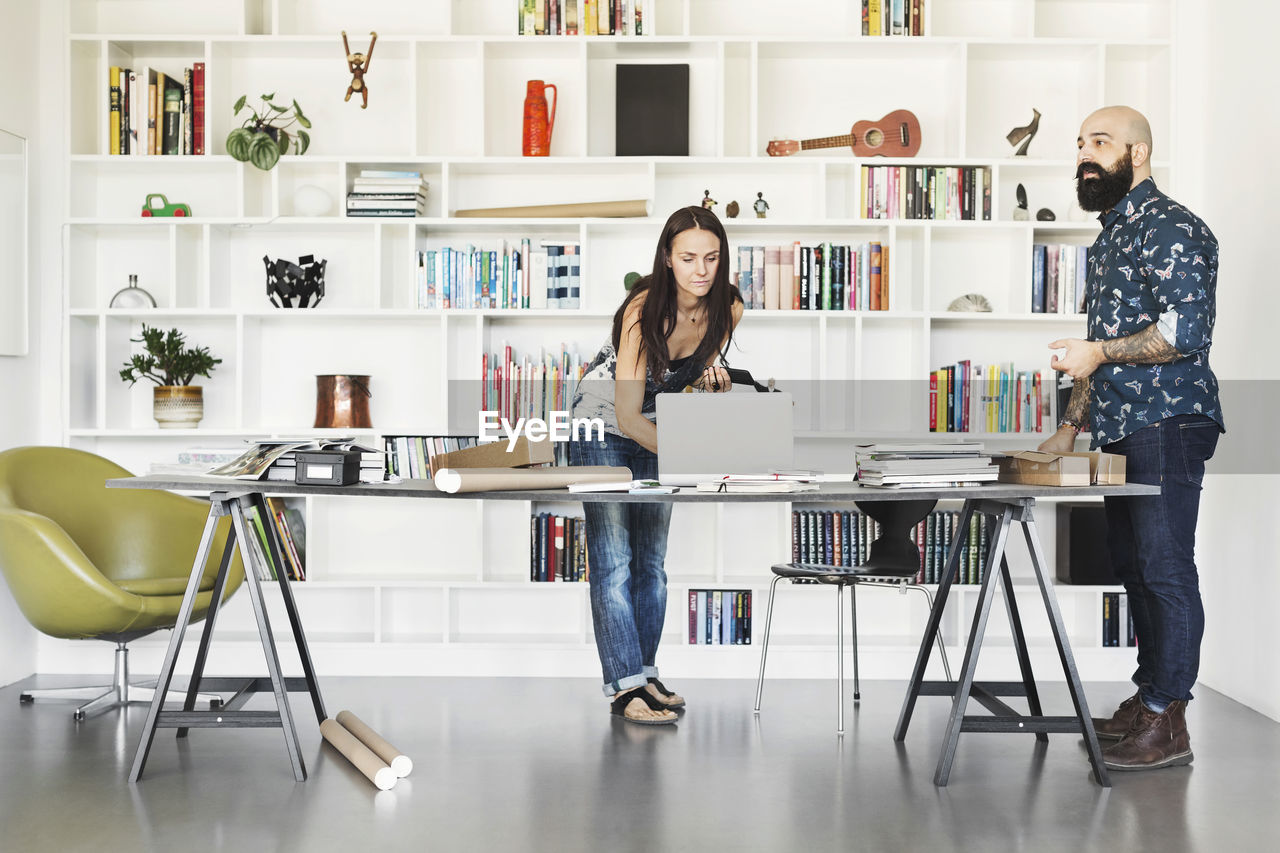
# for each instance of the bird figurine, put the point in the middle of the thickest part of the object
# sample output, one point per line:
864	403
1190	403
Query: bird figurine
1024	134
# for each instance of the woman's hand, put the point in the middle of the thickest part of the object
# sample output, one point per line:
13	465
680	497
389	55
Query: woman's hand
714	379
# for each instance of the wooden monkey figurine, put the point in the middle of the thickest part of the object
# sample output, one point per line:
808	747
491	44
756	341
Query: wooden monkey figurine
358	64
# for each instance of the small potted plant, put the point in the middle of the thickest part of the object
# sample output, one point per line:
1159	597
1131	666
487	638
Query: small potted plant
171	364
264	136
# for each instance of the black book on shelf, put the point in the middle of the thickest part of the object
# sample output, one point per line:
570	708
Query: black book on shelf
652	106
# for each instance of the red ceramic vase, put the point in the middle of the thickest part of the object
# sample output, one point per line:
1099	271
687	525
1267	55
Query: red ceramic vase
537	124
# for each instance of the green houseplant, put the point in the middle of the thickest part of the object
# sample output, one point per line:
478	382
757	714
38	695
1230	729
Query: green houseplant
264	136
171	364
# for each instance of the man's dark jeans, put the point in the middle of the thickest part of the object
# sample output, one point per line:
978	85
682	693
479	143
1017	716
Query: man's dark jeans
1152	541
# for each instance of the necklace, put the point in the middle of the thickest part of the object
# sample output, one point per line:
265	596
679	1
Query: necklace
690	317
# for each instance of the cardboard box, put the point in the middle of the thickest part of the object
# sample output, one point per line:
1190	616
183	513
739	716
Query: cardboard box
494	455
1038	468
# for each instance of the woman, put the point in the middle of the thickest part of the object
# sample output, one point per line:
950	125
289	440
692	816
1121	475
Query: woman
668	334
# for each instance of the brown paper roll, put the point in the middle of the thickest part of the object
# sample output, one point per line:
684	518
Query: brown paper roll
455	480
602	209
400	763
373	767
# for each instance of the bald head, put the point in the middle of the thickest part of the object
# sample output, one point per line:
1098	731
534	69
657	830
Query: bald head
1111	131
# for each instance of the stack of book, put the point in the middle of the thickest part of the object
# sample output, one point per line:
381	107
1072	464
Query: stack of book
150	112
924	465
968	397
558	548
387	192
719	617
273	459
824	277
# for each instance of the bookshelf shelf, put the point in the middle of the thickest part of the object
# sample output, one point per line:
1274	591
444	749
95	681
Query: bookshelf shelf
445	100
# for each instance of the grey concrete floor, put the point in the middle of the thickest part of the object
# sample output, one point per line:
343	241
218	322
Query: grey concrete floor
538	765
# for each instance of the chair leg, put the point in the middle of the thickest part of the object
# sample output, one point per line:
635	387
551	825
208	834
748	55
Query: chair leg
764	647
853	611
942	648
840	658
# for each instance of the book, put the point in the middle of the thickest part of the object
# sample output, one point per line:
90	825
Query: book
113	105
632	486
762	486
171	139
254	463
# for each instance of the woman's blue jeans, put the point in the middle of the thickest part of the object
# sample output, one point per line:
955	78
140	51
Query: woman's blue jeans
626	550
1152	541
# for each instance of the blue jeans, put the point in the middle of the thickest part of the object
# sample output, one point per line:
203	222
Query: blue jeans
1152	541
626	549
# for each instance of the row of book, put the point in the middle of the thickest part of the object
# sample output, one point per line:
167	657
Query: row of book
893	17
520	275
923	465
719	617
823	277
926	192
558	548
387	192
291	533
409	456
968	397
525	386
585	17
1058	273
150	112
1117	620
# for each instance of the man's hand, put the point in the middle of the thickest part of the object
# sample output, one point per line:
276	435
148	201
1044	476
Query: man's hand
1081	358
1062	441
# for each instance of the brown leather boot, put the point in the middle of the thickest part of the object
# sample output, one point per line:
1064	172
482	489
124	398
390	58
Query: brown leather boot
1118	725
1154	741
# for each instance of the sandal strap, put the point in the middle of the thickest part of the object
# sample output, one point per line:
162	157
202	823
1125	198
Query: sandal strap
661	688
620	703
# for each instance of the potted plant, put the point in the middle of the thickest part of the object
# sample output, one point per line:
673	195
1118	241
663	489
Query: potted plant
264	135
171	364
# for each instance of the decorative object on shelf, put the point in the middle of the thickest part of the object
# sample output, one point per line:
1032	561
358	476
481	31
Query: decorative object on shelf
760	205
629	280
895	135
132	296
157	205
1021	213
651	110
303	281
171	364
1044	214
974	302
731	210
358	64
707	201
538	125
311	200
1024	134
342	401
264	136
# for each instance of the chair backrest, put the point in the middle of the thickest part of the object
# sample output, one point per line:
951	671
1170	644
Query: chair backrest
127	534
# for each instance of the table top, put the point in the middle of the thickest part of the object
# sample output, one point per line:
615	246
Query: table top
827	492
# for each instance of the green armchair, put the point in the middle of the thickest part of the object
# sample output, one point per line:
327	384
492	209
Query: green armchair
85	562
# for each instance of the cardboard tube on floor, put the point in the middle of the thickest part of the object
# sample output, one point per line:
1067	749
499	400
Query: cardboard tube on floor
373	767
400	763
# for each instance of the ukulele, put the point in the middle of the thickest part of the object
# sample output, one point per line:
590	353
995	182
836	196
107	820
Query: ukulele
895	135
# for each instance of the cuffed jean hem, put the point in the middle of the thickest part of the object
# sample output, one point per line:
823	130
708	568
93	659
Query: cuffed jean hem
613	688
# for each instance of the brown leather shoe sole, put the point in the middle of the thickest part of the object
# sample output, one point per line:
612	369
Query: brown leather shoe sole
1172	761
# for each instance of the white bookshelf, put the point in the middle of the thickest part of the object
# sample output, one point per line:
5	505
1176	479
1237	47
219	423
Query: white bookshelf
417	587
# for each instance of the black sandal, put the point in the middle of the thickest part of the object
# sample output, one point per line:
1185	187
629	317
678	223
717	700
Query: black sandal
618	708
666	694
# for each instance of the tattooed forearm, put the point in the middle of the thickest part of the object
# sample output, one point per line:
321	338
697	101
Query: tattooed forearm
1077	410
1145	347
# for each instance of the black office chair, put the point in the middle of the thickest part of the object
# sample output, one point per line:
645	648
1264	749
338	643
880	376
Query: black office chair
893	560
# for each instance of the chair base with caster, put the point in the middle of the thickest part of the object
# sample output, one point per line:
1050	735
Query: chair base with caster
120	693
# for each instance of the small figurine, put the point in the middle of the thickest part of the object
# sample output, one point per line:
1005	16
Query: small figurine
1044	214
1020	212
157	205
1024	134
358	65
707	201
731	210
760	206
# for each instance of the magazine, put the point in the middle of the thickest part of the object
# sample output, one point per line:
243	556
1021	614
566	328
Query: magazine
255	462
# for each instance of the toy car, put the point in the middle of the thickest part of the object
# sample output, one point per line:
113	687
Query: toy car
157	205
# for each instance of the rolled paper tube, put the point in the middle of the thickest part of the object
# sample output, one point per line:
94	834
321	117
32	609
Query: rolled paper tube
601	209
455	480
373	767
400	763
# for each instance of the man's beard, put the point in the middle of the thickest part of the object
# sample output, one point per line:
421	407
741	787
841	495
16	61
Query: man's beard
1105	191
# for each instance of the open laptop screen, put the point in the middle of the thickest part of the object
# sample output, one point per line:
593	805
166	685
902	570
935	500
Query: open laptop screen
702	437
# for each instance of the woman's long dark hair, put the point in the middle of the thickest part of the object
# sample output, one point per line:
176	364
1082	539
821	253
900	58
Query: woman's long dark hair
658	314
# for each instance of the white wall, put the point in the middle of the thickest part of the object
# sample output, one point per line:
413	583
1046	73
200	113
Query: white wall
28	418
1233	127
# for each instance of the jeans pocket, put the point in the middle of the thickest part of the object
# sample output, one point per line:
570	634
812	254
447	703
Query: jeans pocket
1198	441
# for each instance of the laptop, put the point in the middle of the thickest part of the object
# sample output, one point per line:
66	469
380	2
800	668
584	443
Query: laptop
702	437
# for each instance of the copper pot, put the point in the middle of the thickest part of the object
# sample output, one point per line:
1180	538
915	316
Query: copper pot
342	401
